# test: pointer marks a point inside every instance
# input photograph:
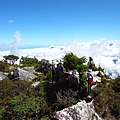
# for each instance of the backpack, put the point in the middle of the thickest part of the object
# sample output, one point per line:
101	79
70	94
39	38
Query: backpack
61	68
91	64
90	79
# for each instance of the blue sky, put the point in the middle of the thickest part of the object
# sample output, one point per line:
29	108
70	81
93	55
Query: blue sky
58	22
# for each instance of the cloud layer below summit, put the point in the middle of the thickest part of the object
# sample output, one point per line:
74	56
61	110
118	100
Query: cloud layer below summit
104	52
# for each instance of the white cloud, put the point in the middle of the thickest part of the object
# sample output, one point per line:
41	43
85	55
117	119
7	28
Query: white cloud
104	52
14	45
12	21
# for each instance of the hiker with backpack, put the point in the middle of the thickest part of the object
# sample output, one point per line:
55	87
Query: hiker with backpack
74	82
57	74
91	63
53	71
62	70
89	80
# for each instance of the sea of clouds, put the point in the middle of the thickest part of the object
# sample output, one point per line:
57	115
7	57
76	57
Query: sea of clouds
105	53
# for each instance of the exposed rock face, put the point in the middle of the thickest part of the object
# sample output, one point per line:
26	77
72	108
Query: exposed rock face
2	75
23	74
81	111
97	79
29	69
35	84
26	75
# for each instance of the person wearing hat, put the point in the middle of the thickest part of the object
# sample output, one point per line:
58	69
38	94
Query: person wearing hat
74	80
62	70
89	80
91	63
53	71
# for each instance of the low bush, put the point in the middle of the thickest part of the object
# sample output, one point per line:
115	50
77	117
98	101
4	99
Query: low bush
107	99
25	107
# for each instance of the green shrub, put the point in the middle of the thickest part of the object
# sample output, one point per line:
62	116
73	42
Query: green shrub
6	87
107	99
71	61
2	112
116	84
22	107
65	98
20	86
83	80
28	62
4	66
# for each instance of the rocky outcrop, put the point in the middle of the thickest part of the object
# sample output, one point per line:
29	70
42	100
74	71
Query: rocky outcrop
35	84
97	75
3	75
22	74
26	75
97	79
81	111
29	69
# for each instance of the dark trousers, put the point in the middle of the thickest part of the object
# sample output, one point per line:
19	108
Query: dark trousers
76	88
53	76
89	88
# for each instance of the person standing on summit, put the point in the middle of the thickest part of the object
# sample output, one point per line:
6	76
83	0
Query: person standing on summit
89	80
62	70
53	71
91	63
91	66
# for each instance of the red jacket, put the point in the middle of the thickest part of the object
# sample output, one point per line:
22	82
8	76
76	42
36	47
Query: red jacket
90	81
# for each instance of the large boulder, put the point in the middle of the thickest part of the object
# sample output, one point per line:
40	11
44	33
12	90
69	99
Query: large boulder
35	84
97	79
3	75
97	75
26	75
22	74
81	111
29	69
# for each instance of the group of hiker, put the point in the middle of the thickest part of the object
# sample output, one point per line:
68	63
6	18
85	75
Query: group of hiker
59	73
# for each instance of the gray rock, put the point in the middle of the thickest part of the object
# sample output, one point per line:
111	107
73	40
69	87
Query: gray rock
81	111
29	69
2	75
35	84
22	74
26	75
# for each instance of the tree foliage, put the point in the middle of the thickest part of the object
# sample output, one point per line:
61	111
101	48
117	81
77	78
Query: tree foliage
4	66
28	62
71	61
99	68
11	58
